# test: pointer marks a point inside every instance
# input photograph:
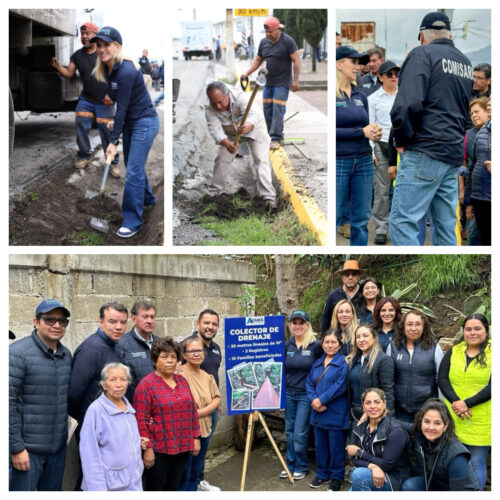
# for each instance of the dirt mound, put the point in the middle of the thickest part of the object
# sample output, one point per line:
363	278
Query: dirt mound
58	213
231	206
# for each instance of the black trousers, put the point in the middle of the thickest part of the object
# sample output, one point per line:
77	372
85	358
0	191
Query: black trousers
482	213
166	473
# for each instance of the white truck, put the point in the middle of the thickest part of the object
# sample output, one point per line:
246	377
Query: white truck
197	39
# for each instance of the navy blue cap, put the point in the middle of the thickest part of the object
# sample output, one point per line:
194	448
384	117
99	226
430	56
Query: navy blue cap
431	18
387	66
346	51
49	305
299	314
108	34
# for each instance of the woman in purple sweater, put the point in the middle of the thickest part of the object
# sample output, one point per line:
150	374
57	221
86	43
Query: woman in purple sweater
110	445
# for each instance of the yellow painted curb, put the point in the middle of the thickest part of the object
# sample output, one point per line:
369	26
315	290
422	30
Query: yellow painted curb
305	207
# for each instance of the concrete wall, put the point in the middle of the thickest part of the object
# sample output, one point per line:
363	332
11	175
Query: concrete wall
180	285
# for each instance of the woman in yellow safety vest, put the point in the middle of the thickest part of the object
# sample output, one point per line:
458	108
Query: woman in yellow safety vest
465	381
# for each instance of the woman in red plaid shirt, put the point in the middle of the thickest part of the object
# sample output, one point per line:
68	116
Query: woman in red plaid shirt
167	415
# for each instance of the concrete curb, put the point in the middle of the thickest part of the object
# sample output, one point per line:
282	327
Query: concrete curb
305	207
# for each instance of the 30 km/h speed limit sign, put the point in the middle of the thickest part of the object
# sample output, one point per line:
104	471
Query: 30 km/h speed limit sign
251	12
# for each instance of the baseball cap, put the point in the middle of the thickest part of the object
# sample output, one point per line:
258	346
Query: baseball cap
49	305
431	18
299	314
108	34
90	27
346	51
272	23
387	66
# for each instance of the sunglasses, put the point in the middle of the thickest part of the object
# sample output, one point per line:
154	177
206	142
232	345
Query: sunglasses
390	74
51	321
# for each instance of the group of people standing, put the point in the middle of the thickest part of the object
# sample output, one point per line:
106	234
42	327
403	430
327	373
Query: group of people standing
115	96
146	406
409	416
418	113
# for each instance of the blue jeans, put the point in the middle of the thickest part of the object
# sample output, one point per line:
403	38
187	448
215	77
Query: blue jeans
274	100
361	480
422	229
478	462
330	453
193	472
354	190
422	184
85	113
297	413
45	473
416	483
138	136
473	238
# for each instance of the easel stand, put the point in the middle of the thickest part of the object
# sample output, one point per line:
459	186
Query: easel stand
256	415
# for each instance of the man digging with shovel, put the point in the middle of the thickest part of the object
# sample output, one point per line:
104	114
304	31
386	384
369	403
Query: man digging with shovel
225	115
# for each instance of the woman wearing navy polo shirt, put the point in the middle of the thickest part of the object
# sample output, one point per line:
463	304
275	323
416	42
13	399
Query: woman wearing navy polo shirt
354	162
301	351
135	117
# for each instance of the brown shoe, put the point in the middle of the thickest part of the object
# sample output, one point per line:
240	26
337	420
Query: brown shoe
115	171
274	145
345	230
81	163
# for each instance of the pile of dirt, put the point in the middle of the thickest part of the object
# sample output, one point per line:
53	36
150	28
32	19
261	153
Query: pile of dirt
227	206
56	212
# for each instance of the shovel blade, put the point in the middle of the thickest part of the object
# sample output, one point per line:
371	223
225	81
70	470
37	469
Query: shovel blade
99	225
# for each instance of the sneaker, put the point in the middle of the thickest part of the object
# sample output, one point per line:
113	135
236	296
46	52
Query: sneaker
125	232
345	230
274	145
317	482
380	239
335	485
206	486
115	171
81	163
297	476
283	474
282	142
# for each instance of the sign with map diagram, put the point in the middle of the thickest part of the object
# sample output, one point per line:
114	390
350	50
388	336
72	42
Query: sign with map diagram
255	351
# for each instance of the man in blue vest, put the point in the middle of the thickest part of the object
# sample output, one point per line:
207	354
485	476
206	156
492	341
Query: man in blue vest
429	117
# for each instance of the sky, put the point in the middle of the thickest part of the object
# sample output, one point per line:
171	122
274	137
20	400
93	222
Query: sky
402	28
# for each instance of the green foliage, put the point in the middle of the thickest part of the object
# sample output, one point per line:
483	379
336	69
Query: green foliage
479	302
283	229
312	23
290	19
247	300
86	238
33	196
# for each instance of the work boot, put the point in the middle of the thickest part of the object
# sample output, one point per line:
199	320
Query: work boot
81	163
282	142
274	145
345	230
380	239
115	171
270	204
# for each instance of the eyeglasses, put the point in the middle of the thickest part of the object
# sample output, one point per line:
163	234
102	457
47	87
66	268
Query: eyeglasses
349	273
479	78
390	74
198	352
51	321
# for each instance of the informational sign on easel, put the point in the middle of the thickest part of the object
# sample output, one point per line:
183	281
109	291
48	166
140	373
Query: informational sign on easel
255	350
255	374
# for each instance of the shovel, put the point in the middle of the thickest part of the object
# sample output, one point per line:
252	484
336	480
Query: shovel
95	223
260	81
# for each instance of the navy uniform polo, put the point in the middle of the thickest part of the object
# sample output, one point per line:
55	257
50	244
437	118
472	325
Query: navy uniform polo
298	363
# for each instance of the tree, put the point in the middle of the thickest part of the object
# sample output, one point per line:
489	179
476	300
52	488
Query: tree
286	284
312	23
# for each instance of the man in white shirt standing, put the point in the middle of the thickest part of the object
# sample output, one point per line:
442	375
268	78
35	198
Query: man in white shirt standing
379	106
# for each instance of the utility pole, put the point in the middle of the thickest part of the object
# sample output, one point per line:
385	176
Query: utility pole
230	46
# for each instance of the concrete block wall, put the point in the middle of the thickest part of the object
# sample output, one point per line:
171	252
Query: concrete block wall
180	286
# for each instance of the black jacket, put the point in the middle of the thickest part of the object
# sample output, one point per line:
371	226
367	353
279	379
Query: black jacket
431	107
38	396
432	463
136	354
381	376
389	450
89	359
